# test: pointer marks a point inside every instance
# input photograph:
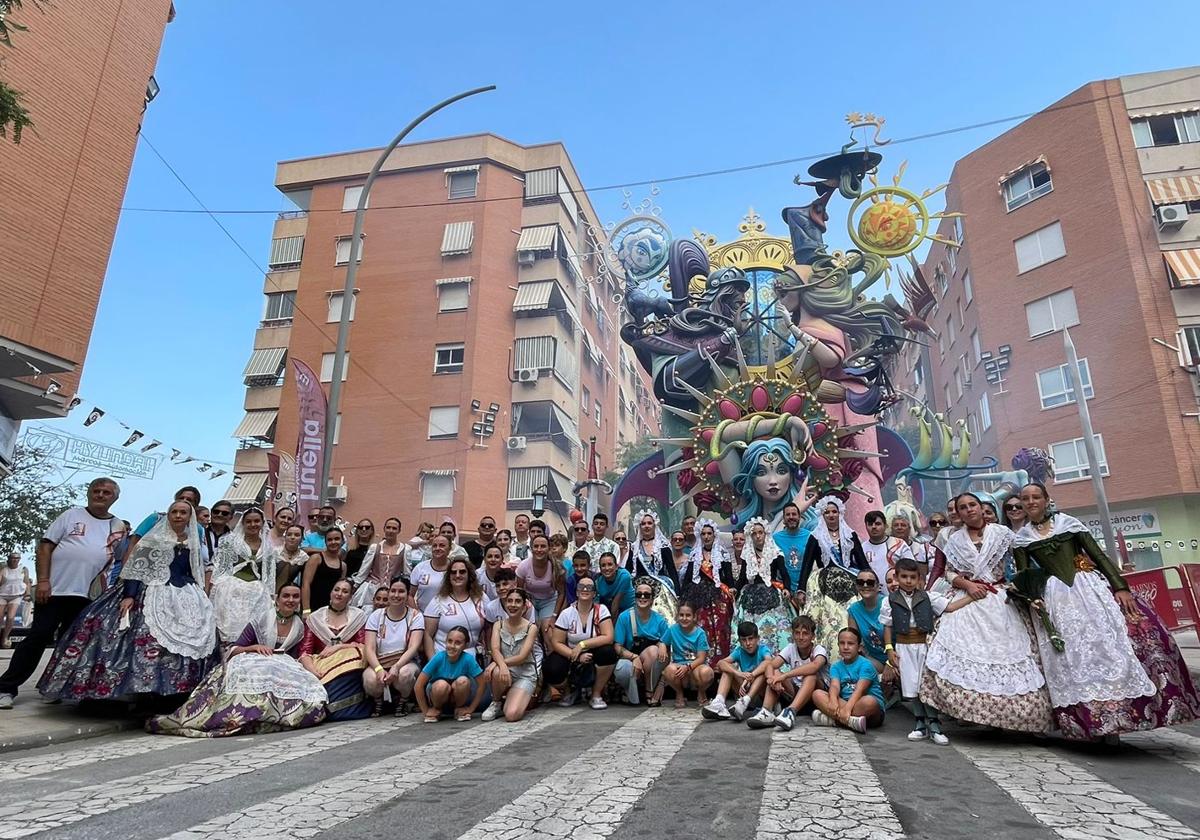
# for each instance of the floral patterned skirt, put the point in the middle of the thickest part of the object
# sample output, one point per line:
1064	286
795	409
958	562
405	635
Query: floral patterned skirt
250	694
96	660
714	613
829	614
770	610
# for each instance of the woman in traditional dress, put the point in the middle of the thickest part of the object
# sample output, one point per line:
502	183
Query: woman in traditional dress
290	558
332	651
382	562
764	598
260	688
833	558
982	665
1113	667
705	583
650	556
154	634
243	582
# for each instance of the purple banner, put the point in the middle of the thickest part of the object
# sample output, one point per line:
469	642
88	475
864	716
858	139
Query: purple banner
310	442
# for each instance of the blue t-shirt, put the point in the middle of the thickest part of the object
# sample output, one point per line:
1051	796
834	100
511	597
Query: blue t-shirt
441	668
314	541
622	585
683	645
793	552
748	661
655	628
869	626
849	673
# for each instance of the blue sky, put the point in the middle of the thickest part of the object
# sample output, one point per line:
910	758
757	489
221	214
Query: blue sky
659	90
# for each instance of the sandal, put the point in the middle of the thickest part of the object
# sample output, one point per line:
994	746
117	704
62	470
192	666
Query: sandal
653	703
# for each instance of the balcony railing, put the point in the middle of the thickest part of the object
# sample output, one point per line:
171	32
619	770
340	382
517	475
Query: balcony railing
292	214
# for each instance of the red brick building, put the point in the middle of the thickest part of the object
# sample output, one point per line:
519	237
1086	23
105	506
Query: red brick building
86	75
1087	216
473	292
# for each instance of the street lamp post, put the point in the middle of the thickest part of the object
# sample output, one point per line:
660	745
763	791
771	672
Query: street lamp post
343	335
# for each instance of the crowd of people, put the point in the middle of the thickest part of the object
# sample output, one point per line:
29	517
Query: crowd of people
215	624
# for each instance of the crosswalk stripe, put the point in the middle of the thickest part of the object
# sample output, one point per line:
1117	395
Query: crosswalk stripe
1168	744
69	806
44	765
593	792
1072	802
366	788
819	784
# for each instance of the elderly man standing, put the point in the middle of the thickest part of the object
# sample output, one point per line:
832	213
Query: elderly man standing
77	546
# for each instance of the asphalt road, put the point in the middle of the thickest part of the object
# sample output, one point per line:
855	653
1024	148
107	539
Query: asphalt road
622	773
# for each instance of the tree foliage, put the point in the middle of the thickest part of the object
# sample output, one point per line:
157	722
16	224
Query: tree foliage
14	116
31	497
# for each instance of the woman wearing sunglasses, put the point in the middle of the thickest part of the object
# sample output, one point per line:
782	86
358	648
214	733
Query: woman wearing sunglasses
863	616
1014	514
638	631
356	547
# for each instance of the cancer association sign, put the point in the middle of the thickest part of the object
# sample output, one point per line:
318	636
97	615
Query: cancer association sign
1134	522
310	442
89	455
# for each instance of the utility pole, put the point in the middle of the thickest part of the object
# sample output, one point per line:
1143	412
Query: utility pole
1089	443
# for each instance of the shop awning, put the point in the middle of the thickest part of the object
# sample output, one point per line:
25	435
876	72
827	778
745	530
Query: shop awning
265	362
1185	264
540	238
247	490
1174	190
257	424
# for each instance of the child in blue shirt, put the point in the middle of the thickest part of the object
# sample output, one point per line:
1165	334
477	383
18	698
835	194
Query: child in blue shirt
637	635
687	645
854	699
447	678
744	670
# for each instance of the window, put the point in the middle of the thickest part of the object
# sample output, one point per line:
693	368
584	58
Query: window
1051	313
334	315
350	197
976	348
973	425
543	420
941	339
443	422
1071	461
280	306
960	235
449	358
586	401
462	184
1167	130
939	280
1027	184
327	366
437	491
985	412
958	382
950	332
286	251
453	297
342	250
968	289
337	428
946	394
597	412
1054	390
952	259
962	316
1190	346
1040	247
964	364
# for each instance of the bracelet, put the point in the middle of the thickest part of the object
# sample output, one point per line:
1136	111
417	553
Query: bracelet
306	613
889	647
583	645
379	669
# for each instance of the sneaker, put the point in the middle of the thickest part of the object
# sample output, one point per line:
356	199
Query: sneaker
716	710
738	712
858	723
6	700
762	719
918	734
821	719
939	738
569	698
490	713
598	703
785	719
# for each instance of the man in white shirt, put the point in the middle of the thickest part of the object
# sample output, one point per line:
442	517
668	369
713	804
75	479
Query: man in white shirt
882	551
600	543
520	543
76	548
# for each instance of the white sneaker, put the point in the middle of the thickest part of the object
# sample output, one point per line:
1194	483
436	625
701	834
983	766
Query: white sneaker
762	719
858	723
939	738
716	710
6	700
598	703
821	719
785	719
738	712
569	699
918	734
490	713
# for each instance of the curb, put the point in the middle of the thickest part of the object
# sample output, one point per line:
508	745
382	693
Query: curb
64	734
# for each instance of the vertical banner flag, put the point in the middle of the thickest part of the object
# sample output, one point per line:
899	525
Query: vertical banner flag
310	442
133	438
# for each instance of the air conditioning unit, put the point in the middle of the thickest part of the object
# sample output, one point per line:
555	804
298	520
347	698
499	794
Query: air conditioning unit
339	492
1171	216
517	443
529	375
526	258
